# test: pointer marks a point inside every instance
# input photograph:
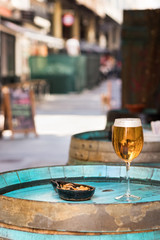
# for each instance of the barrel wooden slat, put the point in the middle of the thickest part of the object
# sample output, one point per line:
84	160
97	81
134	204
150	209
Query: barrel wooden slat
31	209
80	154
100	149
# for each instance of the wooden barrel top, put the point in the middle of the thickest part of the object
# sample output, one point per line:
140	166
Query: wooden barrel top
29	204
95	147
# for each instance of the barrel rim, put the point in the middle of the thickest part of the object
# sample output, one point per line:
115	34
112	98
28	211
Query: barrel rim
154	176
31	208
107	133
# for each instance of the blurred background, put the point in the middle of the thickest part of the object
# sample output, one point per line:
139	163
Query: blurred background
87	62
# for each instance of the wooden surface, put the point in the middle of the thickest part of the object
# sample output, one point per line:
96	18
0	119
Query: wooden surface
31	208
93	147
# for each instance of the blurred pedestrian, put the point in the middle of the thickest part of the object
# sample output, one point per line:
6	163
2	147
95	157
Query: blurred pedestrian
73	46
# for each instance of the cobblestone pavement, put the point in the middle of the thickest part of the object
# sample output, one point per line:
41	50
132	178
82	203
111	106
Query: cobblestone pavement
57	118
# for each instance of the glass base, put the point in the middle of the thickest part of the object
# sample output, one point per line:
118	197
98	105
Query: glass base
127	198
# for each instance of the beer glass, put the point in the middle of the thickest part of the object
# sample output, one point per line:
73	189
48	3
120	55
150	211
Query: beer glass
127	140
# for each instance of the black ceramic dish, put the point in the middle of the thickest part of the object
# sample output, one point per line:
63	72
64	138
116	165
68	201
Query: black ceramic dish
71	194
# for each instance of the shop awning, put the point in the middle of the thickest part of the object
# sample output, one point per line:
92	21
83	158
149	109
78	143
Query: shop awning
49	40
92	48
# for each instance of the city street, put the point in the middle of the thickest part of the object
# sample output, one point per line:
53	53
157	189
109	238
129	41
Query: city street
57	118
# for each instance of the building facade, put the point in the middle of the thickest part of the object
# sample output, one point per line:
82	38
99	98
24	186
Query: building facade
41	27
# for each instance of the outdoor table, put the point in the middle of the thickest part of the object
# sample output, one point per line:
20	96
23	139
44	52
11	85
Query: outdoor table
95	147
31	209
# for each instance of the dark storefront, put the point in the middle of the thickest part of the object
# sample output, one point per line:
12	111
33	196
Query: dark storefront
7	66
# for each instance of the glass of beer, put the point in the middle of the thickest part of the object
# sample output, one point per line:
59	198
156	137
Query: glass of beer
127	140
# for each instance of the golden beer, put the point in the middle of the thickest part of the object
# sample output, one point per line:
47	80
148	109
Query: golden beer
127	142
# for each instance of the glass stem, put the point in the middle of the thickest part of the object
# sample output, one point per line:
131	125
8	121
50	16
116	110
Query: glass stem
128	178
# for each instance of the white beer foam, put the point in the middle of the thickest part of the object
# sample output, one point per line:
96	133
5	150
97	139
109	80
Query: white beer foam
127	122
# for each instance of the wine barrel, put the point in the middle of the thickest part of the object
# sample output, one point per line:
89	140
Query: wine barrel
95	147
31	209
